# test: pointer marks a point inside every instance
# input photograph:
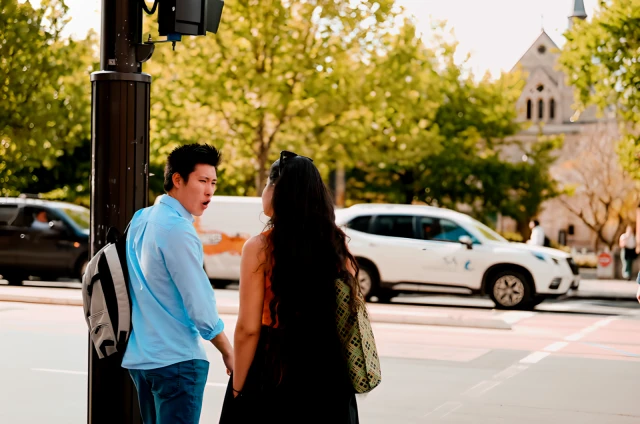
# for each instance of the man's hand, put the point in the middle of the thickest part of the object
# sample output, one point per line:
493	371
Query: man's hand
221	342
228	362
638	293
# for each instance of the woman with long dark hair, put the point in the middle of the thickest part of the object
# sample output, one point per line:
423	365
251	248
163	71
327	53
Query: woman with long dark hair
289	366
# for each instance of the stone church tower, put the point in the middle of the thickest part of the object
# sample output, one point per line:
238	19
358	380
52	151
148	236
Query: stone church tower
546	104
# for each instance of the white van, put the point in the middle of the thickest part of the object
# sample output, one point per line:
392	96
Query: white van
225	226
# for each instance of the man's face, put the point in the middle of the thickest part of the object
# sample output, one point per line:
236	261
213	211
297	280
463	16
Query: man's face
532	225
195	194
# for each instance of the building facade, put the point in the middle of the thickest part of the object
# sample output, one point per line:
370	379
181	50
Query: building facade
546	108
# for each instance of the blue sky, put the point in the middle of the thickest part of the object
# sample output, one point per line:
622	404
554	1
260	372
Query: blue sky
495	32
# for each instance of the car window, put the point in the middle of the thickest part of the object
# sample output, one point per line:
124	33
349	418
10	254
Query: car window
441	230
36	218
394	226
8	214
80	217
360	223
450	231
488	232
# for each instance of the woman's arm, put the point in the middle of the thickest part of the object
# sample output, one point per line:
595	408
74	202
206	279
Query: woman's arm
252	270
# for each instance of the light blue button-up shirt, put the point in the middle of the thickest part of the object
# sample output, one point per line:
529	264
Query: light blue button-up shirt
173	305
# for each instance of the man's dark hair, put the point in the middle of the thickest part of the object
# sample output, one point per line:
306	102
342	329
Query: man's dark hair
536	222
183	160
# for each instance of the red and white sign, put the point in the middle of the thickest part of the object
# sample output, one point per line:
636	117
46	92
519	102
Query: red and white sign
605	259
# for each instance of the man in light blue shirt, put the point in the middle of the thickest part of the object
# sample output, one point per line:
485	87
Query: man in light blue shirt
173	304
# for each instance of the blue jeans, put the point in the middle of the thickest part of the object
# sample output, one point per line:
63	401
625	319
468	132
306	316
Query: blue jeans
172	394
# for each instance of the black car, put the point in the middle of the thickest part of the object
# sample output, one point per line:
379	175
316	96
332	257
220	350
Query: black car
41	238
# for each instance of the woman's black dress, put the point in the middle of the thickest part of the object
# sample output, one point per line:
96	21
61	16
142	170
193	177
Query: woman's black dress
313	386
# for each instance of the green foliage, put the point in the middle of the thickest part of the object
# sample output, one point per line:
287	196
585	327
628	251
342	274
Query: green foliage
346	83
44	91
272	78
461	150
69	181
601	61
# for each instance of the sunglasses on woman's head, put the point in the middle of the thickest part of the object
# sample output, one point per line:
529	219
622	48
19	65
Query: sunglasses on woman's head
284	155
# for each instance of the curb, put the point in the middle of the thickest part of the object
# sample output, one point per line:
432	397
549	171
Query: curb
443	321
386	317
40	299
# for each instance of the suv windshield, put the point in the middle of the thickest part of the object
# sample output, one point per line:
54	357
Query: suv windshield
80	216
487	232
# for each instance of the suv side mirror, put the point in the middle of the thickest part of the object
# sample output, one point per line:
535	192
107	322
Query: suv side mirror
467	241
58	226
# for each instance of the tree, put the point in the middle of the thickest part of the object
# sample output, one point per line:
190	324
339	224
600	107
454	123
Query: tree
69	181
267	81
601	61
456	152
349	86
44	90
603	195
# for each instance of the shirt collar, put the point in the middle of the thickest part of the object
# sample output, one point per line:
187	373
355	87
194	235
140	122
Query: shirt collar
177	206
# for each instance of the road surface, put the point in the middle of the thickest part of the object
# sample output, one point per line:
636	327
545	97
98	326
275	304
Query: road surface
553	367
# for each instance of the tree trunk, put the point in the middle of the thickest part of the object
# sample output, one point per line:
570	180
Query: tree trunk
524	230
263	147
340	185
262	173
407	178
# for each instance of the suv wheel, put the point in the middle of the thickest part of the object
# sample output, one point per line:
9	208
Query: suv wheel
369	280
510	289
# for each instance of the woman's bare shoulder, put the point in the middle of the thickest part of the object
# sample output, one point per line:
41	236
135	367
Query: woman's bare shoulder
256	247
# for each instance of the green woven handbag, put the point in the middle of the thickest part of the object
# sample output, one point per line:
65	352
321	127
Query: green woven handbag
358	344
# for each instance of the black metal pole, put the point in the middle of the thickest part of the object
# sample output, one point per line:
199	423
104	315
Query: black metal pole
119	178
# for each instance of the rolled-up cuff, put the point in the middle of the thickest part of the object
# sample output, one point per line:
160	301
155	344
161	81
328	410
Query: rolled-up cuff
219	328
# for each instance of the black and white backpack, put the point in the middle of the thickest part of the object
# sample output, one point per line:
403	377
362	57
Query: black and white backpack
105	296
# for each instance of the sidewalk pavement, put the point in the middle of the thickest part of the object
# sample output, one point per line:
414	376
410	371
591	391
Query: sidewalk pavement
227	302
606	289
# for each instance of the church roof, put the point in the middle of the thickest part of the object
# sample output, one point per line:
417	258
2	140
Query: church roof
578	10
543	39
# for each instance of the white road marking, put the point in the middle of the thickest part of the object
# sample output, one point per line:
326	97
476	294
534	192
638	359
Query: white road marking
481	388
534	358
574	337
510	372
554	347
60	371
444	409
595	326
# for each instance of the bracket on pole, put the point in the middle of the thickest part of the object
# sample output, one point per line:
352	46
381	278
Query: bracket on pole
171	38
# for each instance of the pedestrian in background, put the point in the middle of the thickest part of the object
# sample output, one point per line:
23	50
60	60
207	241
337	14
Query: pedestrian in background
538	238
628	244
289	366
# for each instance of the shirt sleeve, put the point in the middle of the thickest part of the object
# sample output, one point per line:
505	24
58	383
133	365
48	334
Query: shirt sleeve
184	257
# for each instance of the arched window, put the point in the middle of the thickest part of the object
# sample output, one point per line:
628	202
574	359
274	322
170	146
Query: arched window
529	109
552	109
540	109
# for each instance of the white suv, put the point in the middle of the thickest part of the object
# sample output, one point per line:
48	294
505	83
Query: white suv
409	248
